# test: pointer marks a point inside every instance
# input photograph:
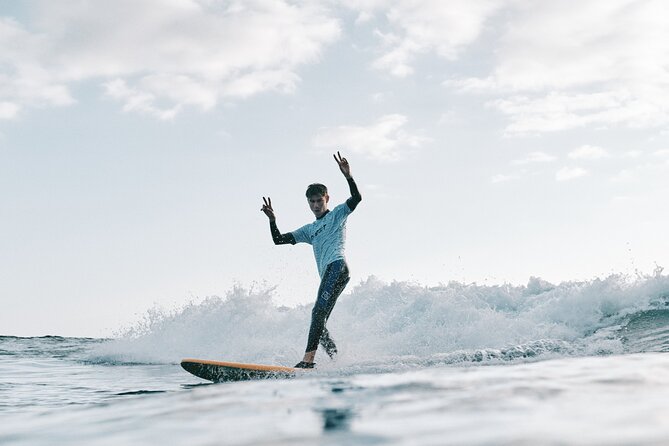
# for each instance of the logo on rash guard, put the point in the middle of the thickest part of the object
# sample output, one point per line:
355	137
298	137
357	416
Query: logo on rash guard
319	230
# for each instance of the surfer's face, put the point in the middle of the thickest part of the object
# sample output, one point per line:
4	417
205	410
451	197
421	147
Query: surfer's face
318	204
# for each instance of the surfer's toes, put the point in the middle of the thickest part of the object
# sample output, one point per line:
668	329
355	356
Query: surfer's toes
304	365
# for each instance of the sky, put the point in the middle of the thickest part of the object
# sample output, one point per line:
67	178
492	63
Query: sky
492	141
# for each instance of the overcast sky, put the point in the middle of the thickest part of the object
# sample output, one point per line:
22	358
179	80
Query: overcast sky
492	140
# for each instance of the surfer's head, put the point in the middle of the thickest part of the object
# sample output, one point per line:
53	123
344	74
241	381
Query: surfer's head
317	197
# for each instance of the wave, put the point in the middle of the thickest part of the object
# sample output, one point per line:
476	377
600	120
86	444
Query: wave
406	323
46	346
647	331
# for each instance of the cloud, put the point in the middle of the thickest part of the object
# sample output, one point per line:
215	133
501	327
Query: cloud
557	111
137	100
8	110
382	96
384	140
625	175
595	63
588	152
168	54
24	81
652	168
570	173
632	154
416	27
501	178
535	157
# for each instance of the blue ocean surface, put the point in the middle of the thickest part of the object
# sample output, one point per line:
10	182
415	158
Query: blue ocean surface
572	363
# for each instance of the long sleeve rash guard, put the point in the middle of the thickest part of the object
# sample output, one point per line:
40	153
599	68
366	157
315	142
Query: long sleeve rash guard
288	238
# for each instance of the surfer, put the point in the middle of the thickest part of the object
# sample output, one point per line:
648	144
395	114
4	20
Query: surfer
327	235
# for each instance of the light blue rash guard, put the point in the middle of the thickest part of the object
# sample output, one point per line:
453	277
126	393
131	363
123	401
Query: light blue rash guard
327	235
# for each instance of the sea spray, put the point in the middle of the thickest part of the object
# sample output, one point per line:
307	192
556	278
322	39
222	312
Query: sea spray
245	325
379	322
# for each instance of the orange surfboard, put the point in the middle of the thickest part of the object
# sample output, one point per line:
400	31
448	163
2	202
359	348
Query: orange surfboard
219	371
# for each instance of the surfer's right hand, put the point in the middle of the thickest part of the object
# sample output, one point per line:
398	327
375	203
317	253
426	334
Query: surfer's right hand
267	208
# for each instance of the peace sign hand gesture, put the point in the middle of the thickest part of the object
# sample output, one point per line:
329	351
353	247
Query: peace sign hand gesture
343	165
267	208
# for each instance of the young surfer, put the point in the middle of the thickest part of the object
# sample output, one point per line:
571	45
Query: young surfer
327	235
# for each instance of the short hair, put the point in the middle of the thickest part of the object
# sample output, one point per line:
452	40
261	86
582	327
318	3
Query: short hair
316	189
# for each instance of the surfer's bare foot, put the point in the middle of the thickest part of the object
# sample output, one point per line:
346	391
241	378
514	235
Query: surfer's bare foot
304	365
308	360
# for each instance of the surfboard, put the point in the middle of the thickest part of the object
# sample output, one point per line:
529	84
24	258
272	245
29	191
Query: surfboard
219	371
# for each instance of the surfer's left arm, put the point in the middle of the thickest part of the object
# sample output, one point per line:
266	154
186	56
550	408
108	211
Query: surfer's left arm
346	170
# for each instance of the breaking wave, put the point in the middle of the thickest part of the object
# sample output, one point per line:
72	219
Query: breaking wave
379	324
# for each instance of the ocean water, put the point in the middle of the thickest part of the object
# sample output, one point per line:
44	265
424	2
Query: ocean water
570	363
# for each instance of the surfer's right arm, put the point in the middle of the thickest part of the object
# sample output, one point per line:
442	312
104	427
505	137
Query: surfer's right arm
277	236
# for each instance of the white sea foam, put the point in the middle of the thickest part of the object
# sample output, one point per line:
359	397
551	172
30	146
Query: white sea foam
400	322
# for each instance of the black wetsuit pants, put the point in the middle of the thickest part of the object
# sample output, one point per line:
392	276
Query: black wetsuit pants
333	283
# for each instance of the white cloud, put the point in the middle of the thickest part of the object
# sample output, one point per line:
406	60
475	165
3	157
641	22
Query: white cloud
382	96
587	63
535	157
624	199
384	140
570	173
169	54
557	66
418	27
284	81
501	178
8	110
556	111
138	101
451	118
625	175
23	79
588	152
633	154
645	171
